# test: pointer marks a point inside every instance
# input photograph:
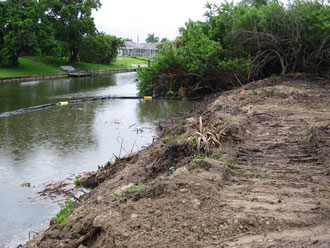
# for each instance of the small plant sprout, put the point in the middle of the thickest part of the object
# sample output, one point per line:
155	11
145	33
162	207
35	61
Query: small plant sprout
82	197
234	168
136	188
174	137
78	182
194	139
307	137
130	190
63	216
273	92
255	93
195	162
172	169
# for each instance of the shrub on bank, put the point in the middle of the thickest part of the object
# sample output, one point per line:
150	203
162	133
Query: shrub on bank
240	43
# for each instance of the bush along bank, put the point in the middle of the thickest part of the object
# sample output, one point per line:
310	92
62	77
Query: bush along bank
239	43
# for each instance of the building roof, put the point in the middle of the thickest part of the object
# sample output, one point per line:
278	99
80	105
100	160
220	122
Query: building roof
133	45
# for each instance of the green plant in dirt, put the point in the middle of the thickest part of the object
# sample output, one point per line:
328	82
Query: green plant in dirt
234	168
172	169
174	137
255	93
273	92
82	197
130	190
196	161
63	216
307	137
194	139
136	188
78	182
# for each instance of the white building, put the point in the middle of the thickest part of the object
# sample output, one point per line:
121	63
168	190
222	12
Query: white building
142	50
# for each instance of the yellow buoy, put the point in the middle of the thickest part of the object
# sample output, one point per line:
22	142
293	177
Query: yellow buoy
148	98
63	103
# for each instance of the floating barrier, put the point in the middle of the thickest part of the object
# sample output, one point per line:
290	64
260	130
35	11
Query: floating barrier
64	103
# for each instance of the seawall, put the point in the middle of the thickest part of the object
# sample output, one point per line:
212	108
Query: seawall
59	75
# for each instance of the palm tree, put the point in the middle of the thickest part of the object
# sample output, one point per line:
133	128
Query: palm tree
152	39
164	40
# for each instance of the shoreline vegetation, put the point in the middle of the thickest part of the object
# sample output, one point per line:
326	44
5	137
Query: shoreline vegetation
48	67
238	43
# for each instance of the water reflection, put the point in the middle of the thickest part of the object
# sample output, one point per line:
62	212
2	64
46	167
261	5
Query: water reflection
56	128
158	110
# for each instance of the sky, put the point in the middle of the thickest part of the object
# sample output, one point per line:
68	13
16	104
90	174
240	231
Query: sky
133	18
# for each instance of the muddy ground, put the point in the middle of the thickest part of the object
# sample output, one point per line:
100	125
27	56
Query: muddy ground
248	168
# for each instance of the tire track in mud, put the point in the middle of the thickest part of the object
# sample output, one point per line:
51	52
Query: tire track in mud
287	178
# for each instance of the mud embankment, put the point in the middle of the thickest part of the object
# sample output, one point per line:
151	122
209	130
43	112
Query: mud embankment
248	168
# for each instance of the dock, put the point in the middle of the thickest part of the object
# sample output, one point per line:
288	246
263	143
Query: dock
79	74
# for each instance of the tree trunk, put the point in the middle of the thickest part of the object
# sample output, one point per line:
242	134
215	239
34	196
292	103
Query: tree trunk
73	55
283	65
14	61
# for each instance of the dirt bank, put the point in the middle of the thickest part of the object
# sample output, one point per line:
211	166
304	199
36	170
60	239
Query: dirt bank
249	168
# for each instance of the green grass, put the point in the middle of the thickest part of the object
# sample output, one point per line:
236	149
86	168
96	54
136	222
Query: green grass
120	63
122	60
131	190
27	67
38	65
57	62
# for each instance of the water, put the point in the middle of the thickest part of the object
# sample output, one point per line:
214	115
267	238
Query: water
57	142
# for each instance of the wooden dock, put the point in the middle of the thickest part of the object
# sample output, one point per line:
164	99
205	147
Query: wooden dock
79	74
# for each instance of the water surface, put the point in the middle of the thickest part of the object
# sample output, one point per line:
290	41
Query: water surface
57	142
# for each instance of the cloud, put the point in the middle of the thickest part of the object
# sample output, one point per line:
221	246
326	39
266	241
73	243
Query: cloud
132	18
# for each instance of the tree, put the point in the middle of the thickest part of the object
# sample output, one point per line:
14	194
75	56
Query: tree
152	39
164	40
127	39
257	3
3	10
23	28
72	22
239	43
100	48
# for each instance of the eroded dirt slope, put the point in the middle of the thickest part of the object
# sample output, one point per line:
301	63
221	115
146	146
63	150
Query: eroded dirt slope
251	168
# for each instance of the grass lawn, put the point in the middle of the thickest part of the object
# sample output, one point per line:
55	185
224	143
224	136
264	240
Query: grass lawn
27	67
120	63
129	60
36	65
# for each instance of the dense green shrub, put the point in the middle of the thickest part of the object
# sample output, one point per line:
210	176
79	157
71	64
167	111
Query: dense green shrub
100	48
239	43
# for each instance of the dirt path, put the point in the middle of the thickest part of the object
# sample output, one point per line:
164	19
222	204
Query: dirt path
266	185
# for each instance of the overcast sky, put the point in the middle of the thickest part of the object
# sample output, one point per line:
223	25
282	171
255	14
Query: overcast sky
130	18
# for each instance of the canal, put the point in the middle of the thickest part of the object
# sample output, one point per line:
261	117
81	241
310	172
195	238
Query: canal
52	144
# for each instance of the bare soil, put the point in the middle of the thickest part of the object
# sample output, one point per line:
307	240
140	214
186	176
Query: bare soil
255	172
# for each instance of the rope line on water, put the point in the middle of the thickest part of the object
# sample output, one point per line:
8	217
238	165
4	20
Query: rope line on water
64	103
